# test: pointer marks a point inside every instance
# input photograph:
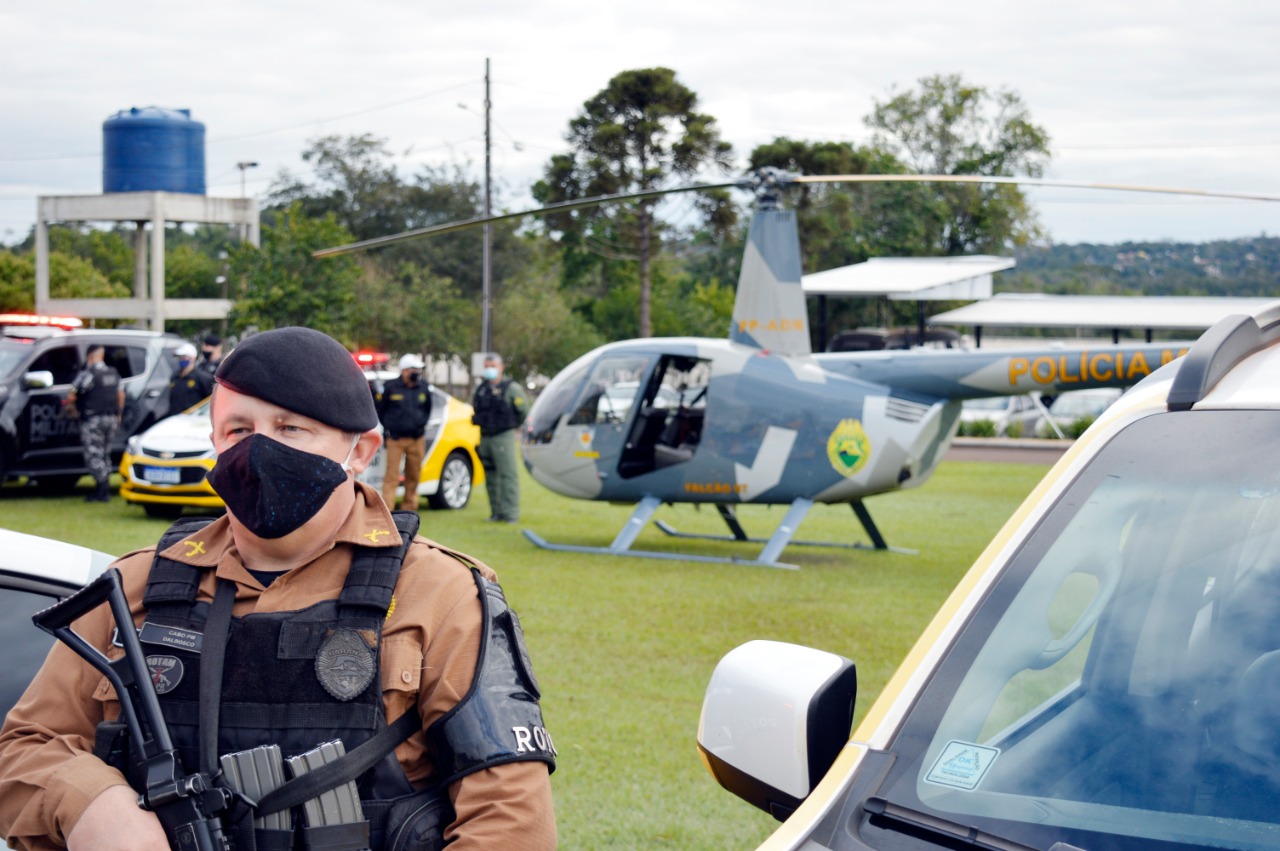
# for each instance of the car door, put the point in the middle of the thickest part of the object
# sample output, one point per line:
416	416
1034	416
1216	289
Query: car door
35	573
47	438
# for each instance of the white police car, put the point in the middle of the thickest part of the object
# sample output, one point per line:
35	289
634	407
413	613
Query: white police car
34	573
1106	676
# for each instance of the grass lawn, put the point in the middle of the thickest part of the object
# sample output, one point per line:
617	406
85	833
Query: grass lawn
624	646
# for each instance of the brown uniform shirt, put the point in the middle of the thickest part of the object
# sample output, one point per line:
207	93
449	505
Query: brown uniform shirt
48	774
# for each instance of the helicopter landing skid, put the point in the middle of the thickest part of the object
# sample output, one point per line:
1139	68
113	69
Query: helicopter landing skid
731	520
644	510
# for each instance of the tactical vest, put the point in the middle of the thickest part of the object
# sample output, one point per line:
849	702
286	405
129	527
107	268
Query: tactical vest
405	410
103	397
493	413
301	678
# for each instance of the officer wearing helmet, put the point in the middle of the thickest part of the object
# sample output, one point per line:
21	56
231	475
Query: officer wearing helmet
308	613
190	385
404	406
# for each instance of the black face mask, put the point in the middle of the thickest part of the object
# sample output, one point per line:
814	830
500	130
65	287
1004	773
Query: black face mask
271	488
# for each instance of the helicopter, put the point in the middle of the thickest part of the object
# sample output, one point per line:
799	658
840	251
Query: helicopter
758	418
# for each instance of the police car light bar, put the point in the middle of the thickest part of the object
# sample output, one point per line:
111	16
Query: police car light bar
366	358
32	320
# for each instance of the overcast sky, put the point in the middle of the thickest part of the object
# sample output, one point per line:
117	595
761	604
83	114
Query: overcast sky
1170	93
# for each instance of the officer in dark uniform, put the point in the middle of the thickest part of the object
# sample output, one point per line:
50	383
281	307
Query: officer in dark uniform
404	406
211	354
190	384
500	406
97	397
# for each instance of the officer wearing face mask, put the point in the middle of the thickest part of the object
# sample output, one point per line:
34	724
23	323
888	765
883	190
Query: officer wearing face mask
189	385
308	613
404	407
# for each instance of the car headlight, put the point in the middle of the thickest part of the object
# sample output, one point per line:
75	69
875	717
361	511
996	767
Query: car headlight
133	446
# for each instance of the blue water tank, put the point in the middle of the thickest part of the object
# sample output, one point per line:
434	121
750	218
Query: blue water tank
152	149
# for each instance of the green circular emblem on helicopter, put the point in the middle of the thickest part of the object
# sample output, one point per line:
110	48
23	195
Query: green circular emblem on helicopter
848	448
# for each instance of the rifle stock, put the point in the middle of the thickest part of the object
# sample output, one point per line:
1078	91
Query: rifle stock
188	805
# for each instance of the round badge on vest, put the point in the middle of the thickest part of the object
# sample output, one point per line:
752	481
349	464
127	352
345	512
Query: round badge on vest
345	664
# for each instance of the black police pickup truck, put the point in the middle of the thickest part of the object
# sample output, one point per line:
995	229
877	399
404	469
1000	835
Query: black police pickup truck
37	366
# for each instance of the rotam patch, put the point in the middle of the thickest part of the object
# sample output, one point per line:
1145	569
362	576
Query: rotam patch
166	672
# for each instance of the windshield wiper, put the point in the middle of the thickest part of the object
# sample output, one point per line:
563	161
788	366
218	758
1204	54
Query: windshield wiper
952	832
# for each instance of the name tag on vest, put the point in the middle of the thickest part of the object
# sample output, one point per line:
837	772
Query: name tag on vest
168	636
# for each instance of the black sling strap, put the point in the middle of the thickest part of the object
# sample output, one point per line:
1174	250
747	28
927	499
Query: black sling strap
345	768
216	632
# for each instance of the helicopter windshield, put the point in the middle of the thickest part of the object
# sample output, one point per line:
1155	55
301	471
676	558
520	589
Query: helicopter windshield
610	393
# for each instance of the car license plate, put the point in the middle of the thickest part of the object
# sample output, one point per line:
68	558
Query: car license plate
162	475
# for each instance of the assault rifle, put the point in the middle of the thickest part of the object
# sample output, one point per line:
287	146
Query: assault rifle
188	805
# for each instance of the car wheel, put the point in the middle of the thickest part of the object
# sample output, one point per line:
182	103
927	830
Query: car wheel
163	512
455	483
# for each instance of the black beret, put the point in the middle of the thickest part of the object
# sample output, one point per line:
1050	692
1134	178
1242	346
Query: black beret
304	371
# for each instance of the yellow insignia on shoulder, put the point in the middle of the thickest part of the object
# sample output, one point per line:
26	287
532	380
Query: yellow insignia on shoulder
848	448
392	607
195	548
375	534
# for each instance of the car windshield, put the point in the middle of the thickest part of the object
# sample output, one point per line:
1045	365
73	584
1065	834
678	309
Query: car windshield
11	354
990	403
1121	678
1085	405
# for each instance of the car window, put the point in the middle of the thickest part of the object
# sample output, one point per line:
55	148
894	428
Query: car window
63	361
1122	677
127	360
25	645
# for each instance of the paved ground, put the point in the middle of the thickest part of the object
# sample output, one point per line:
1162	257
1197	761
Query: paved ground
1007	450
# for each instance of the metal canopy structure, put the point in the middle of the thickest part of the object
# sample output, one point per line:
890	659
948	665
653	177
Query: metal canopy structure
917	279
1098	313
911	278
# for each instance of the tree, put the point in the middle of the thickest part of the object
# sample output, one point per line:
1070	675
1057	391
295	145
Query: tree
540	332
948	126
639	130
69	277
282	284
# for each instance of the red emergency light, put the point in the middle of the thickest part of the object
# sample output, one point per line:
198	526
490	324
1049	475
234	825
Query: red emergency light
31	320
367	358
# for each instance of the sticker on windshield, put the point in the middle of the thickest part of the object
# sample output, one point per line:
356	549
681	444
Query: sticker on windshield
962	765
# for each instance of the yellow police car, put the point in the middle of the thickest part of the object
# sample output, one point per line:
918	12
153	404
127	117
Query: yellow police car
1106	676
164	469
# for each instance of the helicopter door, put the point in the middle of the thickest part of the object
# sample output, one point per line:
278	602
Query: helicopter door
670	409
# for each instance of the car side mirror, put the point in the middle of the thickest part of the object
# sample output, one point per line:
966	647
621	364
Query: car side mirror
39	379
774	719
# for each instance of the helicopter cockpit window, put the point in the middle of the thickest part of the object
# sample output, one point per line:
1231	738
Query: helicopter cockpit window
611	390
1120	677
668	427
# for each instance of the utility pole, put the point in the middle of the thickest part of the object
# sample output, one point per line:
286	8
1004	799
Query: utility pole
486	286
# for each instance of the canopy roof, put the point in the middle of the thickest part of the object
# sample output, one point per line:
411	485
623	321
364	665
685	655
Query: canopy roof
911	278
1033	310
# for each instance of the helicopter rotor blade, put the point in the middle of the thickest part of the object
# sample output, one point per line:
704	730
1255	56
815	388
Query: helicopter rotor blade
563	206
1024	181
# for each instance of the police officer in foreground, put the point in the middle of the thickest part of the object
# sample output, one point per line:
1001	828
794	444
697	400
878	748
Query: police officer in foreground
500	406
97	398
404	406
360	630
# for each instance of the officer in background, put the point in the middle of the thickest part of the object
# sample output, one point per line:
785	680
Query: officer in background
404	406
97	398
211	354
360	628
500	407
190	385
